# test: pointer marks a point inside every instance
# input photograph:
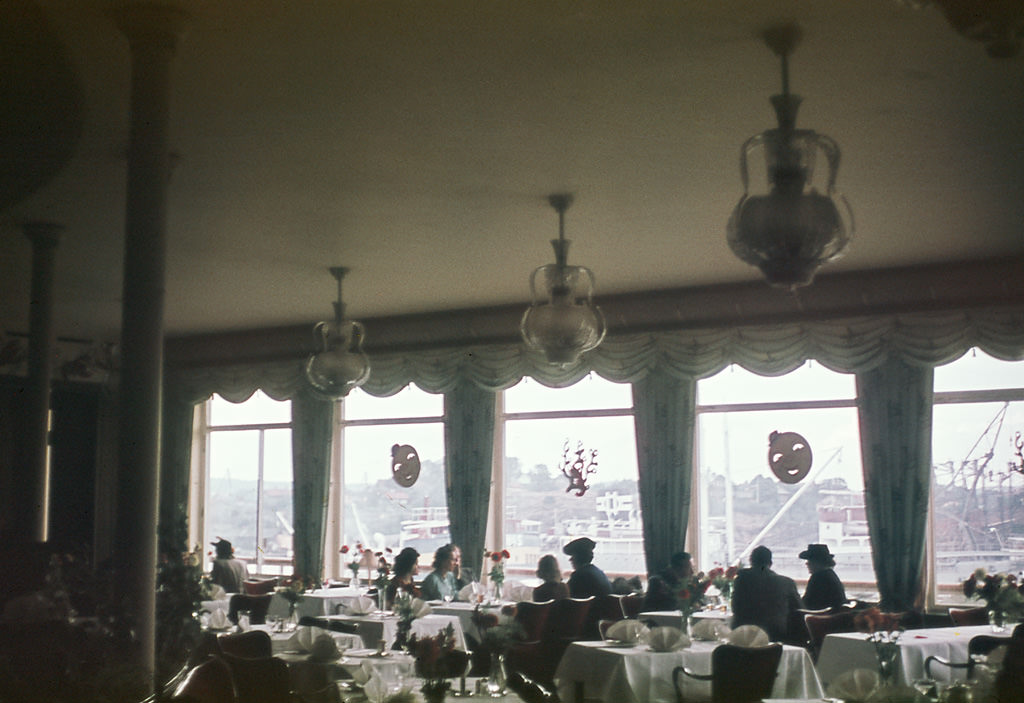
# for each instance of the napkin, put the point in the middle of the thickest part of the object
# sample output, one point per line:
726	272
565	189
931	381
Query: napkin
516	591
302	640
419	608
854	685
625	631
748	636
324	648
219	620
362	605
667	639
709	629
375	689
470	591
217	592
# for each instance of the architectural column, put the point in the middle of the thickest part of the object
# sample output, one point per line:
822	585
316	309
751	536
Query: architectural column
41	341
152	32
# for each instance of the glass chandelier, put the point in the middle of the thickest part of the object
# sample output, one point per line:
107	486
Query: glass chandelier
790	230
341	365
562	321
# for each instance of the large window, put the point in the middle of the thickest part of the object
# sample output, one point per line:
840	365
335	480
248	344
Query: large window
248	497
978	499
547	429
742	504
377	511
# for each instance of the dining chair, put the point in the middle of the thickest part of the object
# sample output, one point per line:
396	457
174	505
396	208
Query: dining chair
256	605
206	647
533	617
606	607
209	682
632	605
968	617
259	679
250	644
738	674
529	690
538	660
258	587
818	626
1010	679
979	645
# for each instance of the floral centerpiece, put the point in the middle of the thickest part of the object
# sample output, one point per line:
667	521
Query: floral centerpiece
292	592
383	577
884	630
722	579
1003	595
691	593
355	561
437	660
497	573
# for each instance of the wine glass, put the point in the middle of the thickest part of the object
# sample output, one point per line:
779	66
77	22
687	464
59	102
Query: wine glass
447	598
927	688
463	691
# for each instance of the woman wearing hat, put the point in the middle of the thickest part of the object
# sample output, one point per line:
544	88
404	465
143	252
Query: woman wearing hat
824	589
227	572
586	580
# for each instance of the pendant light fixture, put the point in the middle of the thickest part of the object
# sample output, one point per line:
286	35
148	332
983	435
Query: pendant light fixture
792	229
562	321
341	365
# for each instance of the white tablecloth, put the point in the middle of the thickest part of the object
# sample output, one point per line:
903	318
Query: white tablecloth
281	641
464	612
324	601
638	675
851	650
374	628
674	618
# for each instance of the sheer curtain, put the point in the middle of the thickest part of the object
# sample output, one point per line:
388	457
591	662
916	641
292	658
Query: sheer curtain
895	411
664	412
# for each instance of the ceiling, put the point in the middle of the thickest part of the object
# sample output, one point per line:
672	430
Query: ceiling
416	141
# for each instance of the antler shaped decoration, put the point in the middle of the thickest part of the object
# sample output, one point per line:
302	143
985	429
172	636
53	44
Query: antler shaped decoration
1017	464
577	469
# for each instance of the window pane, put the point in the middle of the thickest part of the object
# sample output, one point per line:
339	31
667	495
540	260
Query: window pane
743	504
978	500
258	409
231	507
591	393
408	402
976	370
540	516
380	513
278	526
812	381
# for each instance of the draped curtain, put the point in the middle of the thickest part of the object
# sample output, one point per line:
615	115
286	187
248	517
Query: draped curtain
312	419
468	448
895	413
664	413
175	453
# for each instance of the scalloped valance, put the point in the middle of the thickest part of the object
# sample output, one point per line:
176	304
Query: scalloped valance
848	345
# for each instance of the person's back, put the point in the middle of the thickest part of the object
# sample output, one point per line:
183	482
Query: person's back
227	572
764	598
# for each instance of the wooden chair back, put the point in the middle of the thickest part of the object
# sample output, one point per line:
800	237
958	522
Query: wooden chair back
252	644
258	587
256	605
607	608
533	618
632	605
968	617
978	645
818	626
209	682
738	674
259	679
567	618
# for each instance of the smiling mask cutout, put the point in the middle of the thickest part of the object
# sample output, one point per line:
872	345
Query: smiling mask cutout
405	464
789	456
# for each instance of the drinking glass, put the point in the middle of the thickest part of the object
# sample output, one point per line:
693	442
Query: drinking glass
243	620
927	688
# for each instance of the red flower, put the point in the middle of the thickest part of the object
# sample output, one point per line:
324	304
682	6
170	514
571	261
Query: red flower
505	554
732	571
495	557
344	549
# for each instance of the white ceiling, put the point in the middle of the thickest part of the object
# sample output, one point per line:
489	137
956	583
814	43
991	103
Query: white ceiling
415	141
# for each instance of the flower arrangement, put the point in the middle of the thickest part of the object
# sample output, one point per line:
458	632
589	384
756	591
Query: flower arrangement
356	560
722	579
383	569
292	592
437	660
691	593
498	631
1002	594
497	558
884	630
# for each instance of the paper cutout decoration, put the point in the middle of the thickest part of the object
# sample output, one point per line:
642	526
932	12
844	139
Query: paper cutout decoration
405	464
577	469
789	456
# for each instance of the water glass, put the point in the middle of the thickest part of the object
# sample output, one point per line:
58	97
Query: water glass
243	620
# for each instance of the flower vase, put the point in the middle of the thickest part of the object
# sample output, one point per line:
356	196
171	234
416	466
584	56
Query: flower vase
498	678
434	691
997	620
292	623
380	600
888	659
497	591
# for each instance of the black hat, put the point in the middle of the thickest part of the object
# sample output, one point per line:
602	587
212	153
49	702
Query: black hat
580	545
222	546
817	552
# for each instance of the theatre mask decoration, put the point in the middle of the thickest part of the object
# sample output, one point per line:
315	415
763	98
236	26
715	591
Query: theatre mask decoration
789	456
405	464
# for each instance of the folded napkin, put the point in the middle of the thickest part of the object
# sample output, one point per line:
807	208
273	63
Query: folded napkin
516	591
362	605
418	608
710	629
854	685
470	591
217	592
302	640
624	631
748	636
666	639
219	620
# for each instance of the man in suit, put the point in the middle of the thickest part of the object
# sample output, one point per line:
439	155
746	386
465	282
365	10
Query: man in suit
586	580
764	598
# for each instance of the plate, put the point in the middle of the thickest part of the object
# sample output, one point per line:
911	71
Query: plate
620	645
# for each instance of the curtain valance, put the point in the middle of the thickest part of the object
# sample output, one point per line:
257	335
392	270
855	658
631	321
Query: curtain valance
850	345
